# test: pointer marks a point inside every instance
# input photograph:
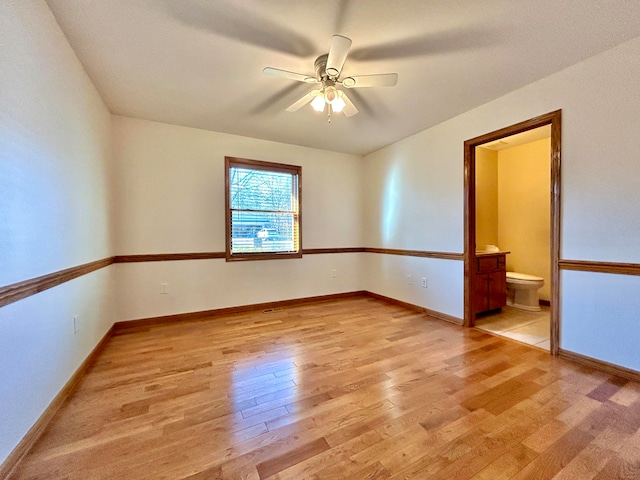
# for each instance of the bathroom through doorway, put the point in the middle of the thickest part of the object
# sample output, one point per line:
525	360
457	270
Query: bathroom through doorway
512	210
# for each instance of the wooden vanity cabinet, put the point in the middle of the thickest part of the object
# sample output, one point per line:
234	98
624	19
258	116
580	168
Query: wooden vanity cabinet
491	281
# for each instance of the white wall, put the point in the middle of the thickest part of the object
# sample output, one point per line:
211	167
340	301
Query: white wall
415	187
170	199
198	285
55	135
413	201
387	275
600	316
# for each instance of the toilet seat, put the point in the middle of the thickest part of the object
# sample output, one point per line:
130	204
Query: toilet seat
522	278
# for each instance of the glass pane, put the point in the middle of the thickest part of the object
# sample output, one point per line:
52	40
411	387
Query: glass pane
260	190
262	232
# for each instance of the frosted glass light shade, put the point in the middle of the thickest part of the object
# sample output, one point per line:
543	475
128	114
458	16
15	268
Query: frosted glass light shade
338	104
318	103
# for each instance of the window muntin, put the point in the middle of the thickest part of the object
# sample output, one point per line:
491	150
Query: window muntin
263	209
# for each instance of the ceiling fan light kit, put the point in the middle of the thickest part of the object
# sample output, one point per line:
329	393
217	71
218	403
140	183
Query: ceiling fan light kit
318	103
338	104
328	68
330	93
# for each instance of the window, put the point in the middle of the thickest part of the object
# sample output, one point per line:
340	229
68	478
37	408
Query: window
263	210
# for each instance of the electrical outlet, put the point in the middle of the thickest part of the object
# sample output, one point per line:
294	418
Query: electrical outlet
409	280
164	288
76	324
333	273
423	282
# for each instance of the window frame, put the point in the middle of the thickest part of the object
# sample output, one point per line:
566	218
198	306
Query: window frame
296	170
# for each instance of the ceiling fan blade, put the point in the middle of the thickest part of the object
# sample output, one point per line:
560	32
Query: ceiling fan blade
349	109
337	55
303	101
299	77
380	80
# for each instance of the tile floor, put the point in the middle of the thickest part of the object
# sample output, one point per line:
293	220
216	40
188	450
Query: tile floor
531	328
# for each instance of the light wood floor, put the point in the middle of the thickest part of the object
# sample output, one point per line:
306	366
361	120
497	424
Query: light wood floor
353	389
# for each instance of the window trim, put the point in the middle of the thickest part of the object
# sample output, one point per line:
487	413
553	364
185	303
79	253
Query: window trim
230	162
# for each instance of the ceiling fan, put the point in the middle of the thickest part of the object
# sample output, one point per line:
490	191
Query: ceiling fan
328	70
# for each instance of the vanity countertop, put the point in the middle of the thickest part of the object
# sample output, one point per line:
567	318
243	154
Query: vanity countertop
484	253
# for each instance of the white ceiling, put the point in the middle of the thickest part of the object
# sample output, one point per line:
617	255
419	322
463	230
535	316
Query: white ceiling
198	62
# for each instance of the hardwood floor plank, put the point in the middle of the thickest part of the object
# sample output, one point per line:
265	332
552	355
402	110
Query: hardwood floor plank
585	465
546	436
275	465
375	471
557	456
346	389
606	389
322	465
507	465
492	446
626	396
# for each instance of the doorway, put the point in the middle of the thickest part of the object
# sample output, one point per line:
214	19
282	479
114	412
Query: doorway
553	120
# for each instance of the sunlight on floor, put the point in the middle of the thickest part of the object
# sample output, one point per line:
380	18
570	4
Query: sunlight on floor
531	328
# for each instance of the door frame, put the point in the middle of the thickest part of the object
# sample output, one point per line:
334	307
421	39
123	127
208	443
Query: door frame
554	120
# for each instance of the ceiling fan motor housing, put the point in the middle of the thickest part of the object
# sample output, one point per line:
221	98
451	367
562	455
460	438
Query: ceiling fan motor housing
321	67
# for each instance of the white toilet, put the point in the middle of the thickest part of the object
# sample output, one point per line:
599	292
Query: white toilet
522	291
